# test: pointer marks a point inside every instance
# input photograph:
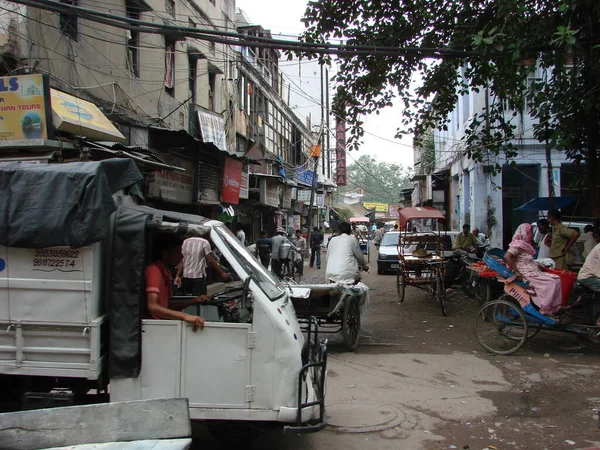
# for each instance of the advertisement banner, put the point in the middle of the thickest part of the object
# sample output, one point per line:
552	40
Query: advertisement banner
244	183
296	222
269	193
212	128
393	211
173	186
80	117
378	207
24	105
321	200
304	176
232	177
340	152
303	196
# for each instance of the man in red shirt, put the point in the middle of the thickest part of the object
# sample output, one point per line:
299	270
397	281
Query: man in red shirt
159	284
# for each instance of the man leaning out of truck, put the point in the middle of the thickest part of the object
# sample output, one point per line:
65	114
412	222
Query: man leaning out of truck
159	284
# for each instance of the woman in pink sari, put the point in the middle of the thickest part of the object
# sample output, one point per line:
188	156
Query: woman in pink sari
519	257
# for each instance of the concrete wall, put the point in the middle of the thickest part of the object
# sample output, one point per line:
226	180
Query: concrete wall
97	62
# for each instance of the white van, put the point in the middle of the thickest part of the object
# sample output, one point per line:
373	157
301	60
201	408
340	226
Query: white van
73	318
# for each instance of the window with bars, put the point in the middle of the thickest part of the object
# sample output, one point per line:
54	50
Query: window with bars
170	7
68	21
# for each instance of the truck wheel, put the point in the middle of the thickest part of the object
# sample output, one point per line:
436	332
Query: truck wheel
379	270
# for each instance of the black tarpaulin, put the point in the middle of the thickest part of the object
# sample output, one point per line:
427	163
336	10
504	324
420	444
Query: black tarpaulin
68	204
127	293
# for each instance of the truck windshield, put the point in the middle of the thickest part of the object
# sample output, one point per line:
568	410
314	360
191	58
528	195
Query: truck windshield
267	282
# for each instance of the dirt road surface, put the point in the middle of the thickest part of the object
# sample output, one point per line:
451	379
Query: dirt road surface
421	381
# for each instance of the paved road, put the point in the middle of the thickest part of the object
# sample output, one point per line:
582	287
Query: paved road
420	381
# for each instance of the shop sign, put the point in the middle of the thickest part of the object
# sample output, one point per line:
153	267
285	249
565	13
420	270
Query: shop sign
80	117
269	193
24	104
286	198
298	207
173	186
304	210
296	221
321	200
378	207
244	183
379	215
212	127
304	176
340	152
303	195
394	211
232	177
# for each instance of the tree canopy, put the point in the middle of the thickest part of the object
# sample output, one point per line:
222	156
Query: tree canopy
494	45
381	182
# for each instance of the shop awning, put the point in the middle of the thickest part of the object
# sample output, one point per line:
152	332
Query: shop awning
82	118
543	203
138	154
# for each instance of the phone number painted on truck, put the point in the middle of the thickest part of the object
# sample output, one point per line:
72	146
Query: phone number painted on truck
64	260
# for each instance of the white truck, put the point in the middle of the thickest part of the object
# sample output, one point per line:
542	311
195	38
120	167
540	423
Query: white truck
72	323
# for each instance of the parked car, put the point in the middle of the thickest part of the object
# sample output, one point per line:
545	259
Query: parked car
388	256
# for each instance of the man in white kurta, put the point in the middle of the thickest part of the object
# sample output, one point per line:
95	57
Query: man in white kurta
344	256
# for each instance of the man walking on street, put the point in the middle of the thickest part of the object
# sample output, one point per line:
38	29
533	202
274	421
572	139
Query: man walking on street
316	239
301	248
263	246
276	258
563	239
197	254
344	256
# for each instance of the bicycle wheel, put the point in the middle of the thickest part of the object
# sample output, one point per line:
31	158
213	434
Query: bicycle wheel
351	323
440	294
400	284
500	327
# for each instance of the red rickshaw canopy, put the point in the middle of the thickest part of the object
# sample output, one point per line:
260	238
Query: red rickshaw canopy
423	212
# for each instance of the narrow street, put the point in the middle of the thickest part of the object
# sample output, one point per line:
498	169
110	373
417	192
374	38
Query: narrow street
421	381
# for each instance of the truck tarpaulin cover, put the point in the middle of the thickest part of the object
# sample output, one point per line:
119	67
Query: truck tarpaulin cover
68	204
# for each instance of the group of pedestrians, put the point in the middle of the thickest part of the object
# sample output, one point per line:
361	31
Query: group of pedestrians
345	258
278	250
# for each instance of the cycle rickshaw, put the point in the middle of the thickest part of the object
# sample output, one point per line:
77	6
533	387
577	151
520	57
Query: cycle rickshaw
335	306
421	255
503	326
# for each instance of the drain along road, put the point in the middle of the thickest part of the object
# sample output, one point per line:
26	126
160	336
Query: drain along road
421	381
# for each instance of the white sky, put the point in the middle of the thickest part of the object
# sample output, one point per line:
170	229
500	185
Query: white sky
283	17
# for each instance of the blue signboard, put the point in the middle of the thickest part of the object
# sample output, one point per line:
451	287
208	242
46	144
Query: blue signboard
304	176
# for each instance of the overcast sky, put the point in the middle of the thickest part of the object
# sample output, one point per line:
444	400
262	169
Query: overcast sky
283	17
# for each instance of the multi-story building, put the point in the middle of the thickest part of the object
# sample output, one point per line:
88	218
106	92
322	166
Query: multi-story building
213	117
470	192
280	187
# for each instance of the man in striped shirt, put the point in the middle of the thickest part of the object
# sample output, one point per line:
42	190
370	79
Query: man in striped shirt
197	254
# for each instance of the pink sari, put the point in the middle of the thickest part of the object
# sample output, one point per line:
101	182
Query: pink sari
546	286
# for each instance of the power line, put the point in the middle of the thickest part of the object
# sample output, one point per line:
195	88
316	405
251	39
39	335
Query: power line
235	38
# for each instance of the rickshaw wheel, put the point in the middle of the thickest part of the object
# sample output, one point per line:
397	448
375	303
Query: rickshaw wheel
351	323
440	295
500	327
400	284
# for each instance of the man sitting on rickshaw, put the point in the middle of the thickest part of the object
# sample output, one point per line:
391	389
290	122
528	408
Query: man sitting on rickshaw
466	242
589	275
344	256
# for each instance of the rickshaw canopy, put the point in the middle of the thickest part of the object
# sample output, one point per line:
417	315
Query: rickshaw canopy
423	212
